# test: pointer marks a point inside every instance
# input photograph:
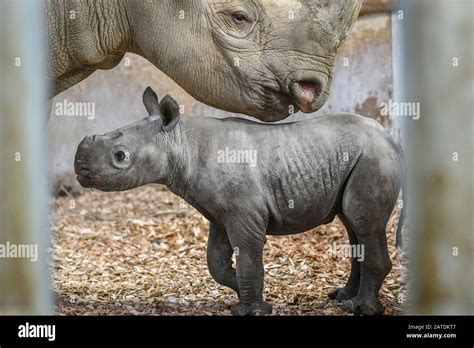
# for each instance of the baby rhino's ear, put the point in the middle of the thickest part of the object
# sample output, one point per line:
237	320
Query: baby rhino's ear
169	113
150	99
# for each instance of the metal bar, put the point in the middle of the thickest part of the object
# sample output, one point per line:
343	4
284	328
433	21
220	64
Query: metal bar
438	73
24	237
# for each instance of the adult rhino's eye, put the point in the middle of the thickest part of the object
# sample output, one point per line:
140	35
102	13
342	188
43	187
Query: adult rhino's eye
239	18
120	156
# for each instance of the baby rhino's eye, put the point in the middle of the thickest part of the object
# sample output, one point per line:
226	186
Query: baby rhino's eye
120	156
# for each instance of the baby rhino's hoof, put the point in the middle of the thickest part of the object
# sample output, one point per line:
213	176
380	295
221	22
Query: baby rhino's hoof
341	294
257	308
363	306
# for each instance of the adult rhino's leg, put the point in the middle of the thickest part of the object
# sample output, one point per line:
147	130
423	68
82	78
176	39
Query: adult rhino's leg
352	285
248	240
368	200
219	258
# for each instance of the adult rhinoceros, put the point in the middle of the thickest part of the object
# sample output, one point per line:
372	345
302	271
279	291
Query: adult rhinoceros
257	57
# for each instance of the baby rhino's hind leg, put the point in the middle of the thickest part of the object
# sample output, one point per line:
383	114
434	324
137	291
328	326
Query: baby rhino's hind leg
368	201
352	285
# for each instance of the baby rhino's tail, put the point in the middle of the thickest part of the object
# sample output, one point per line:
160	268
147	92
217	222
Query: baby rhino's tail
398	237
401	220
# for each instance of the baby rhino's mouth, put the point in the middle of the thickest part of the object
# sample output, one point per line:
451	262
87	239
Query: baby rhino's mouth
91	179
85	172
85	177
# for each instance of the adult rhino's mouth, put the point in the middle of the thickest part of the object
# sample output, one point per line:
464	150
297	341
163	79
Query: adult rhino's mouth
306	90
305	94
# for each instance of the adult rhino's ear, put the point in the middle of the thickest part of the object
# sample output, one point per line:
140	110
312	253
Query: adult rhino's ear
150	99
169	113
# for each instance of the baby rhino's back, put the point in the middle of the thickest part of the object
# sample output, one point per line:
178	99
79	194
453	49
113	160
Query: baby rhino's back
306	169
300	169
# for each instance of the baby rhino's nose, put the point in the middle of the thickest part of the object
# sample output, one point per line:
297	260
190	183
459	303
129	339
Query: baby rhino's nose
82	153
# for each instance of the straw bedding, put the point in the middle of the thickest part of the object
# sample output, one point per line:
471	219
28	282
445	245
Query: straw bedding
143	252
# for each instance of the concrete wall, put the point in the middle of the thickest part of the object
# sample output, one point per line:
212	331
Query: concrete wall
362	81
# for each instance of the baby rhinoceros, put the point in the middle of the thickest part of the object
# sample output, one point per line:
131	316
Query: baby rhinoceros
251	179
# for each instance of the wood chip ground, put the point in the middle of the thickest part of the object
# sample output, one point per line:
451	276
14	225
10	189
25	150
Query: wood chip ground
143	252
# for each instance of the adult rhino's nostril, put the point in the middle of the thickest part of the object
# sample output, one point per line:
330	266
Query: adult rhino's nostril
305	93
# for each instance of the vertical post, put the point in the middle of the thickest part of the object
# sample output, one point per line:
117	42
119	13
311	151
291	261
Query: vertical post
438	71
397	23
24	237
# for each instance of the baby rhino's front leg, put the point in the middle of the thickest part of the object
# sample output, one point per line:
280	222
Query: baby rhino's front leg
219	258
248	241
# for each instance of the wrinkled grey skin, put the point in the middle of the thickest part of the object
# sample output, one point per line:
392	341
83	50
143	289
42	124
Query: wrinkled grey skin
306	173
264	58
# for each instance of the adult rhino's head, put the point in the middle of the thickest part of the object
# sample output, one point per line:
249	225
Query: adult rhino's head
265	58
